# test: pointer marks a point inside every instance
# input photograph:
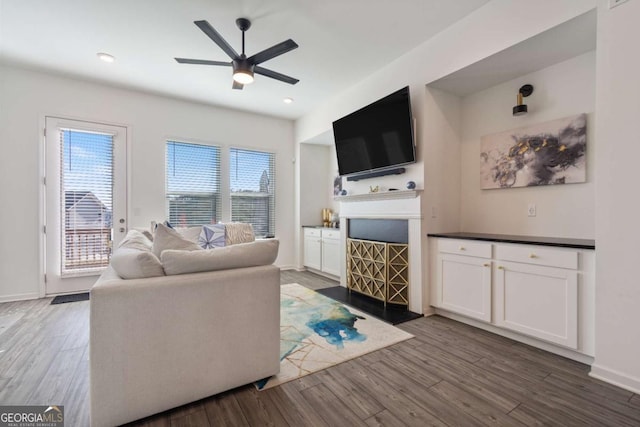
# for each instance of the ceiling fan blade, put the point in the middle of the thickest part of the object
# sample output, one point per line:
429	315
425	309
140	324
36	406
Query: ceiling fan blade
217	38
202	62
237	85
275	75
272	52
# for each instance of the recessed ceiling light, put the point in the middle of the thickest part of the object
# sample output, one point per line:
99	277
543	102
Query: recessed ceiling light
287	100
106	57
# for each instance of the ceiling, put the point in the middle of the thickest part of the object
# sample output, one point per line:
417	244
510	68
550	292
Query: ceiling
340	41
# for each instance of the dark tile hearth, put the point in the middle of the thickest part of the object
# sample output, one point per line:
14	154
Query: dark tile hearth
393	313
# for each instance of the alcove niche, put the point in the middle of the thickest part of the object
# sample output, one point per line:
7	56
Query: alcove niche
478	100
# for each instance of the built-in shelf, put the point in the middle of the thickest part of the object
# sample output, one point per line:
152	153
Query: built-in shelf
381	195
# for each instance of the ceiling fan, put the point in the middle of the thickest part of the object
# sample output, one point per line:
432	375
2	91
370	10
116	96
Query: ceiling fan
243	67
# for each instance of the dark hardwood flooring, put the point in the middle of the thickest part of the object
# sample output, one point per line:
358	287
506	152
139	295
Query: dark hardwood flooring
450	374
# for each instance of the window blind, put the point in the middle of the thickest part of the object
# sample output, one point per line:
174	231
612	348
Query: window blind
252	183
86	181
192	184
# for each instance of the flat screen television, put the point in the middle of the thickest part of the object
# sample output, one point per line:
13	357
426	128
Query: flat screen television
376	137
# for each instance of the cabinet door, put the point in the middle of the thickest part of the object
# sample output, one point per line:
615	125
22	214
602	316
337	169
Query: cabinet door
331	256
465	285
538	301
313	252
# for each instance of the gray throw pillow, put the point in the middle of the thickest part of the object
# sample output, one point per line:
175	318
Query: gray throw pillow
167	238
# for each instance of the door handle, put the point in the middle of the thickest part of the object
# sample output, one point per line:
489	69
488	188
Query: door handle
122	229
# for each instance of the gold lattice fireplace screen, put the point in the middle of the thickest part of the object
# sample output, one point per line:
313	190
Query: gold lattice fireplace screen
379	270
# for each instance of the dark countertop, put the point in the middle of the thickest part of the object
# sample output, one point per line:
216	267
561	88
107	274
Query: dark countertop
320	226
529	240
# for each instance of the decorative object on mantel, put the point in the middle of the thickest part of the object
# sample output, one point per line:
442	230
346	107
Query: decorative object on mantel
380	195
547	153
521	109
373	189
337	185
411	185
343	192
326	217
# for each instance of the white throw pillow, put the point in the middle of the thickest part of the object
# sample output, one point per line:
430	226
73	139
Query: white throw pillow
260	252
167	238
136	239
190	233
132	263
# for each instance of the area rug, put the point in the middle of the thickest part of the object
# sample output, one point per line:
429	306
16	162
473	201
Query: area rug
317	332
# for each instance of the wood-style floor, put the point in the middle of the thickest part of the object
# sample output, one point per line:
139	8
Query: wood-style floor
450	374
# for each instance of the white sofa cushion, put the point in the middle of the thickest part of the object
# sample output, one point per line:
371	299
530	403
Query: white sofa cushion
136	239
260	252
132	263
167	238
134	260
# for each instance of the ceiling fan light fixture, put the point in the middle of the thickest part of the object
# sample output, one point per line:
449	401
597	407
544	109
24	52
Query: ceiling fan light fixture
244	77
242	71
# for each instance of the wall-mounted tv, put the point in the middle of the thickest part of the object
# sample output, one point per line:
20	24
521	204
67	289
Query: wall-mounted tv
378	136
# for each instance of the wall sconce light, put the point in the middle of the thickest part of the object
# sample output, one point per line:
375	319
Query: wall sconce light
521	108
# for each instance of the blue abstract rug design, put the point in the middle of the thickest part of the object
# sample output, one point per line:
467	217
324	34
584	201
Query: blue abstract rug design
317	332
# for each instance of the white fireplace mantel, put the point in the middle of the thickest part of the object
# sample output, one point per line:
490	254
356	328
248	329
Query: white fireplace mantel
382	195
389	205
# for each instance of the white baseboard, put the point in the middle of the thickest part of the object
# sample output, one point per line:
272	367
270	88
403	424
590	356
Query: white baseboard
551	348
19	297
288	267
616	378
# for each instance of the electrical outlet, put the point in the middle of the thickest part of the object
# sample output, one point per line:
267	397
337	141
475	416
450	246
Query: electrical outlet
434	212
614	3
531	210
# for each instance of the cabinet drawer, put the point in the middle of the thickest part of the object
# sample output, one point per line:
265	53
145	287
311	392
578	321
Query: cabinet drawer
465	247
312	232
538	255
330	234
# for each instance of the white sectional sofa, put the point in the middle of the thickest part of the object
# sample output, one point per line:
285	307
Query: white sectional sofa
160	342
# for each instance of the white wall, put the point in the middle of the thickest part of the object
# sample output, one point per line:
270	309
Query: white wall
315	183
27	97
562	90
492	28
617	207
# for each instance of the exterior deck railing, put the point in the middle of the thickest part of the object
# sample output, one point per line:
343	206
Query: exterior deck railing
87	248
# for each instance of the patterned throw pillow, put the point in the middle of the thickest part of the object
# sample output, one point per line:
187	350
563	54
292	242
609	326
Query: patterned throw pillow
212	236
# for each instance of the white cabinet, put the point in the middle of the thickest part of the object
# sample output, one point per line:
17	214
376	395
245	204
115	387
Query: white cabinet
465	281
313	248
322	251
539	291
331	252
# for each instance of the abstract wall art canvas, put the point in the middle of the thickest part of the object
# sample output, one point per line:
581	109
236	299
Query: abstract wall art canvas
547	153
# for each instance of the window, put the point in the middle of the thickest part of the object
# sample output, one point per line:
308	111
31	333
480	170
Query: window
252	183
193	184
86	180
